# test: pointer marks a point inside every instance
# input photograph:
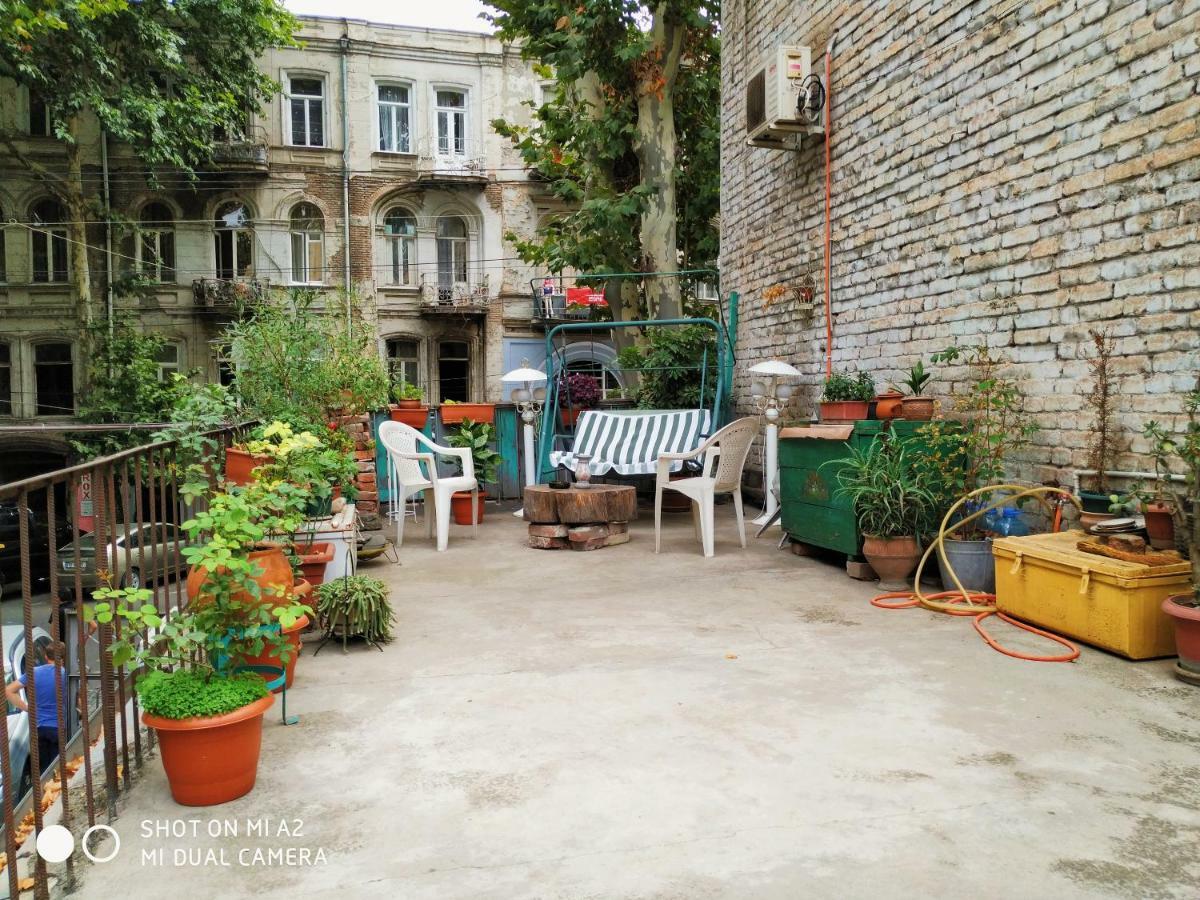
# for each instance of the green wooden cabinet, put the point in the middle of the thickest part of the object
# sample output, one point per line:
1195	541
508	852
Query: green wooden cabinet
812	511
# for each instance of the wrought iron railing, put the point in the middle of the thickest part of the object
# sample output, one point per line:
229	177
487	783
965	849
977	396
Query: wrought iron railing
470	292
228	293
114	498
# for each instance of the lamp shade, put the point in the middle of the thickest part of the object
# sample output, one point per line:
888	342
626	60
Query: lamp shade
522	375
775	367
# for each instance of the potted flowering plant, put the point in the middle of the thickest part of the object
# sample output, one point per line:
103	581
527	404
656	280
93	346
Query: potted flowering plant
847	397
578	391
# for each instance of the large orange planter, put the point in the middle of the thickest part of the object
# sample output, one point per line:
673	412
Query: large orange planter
844	410
887	405
240	465
276	570
313	560
414	418
211	759
454	413
460	506
1187	635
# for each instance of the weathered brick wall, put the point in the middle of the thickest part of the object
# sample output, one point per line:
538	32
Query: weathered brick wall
1008	173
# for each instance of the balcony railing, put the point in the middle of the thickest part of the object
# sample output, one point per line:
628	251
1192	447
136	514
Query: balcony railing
243	153
451	160
463	296
228	293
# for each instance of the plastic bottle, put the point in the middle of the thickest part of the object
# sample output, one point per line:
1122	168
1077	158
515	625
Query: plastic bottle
1011	523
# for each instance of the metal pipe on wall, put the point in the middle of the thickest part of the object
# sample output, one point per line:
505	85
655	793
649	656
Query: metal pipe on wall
829	204
344	44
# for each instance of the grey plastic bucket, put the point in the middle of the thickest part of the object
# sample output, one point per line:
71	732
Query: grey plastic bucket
972	563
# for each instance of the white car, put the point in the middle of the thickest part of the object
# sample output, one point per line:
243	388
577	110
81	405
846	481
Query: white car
13	639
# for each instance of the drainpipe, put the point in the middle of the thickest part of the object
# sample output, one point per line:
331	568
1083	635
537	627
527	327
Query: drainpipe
828	204
1120	474
344	44
108	254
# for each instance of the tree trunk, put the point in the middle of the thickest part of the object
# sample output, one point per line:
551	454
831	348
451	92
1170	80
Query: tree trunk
655	147
76	207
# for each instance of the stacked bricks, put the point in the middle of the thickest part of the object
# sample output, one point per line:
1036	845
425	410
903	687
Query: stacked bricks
359	430
1013	176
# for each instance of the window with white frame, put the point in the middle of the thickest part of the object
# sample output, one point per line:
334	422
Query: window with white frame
306	111
395	118
54	379
168	362
404	360
233	240
452	256
49	241
156	242
452	123
5	379
400	233
307	227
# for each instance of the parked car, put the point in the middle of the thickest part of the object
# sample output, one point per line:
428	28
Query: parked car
13	638
151	548
39	544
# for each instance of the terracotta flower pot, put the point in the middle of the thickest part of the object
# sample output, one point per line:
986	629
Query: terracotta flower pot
460	506
887	405
844	411
1187	634
1088	519
1160	525
211	759
569	415
893	559
276	570
408	404
313	560
271	658
917	409
454	413
417	417
240	465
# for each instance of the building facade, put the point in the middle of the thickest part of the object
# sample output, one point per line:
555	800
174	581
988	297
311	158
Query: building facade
375	175
1009	174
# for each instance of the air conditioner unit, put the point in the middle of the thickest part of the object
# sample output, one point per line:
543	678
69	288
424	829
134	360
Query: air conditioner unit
784	97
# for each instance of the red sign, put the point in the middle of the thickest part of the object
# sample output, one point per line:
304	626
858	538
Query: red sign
585	296
86	513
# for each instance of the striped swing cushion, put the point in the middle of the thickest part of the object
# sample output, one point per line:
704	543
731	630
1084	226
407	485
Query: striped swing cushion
630	441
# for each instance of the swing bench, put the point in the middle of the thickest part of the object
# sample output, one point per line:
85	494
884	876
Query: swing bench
628	442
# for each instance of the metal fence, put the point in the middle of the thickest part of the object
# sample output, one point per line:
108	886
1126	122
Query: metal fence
132	502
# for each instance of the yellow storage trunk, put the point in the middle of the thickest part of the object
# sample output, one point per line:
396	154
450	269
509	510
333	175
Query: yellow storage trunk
1044	580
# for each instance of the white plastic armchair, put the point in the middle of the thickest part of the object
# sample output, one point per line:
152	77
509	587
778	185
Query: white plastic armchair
724	457
411	471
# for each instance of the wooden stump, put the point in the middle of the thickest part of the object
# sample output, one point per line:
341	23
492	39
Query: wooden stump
587	519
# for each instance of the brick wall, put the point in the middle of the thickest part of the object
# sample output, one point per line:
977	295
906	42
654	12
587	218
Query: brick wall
1008	173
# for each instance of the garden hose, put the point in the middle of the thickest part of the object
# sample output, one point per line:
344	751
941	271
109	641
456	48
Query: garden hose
977	604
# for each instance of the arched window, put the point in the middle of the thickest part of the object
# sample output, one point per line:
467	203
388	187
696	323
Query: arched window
452	254
400	232
307	226
54	379
49	239
156	242
233	239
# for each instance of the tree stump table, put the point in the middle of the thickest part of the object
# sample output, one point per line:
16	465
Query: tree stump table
587	519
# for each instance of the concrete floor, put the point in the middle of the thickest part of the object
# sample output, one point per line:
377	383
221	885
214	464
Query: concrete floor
615	724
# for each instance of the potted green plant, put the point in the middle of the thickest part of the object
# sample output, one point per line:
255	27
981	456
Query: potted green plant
971	451
1102	445
477	437
890	502
578	392
847	397
409	407
1182	451
916	406
356	606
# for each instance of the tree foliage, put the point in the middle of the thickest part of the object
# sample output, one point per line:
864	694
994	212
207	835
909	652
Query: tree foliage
629	141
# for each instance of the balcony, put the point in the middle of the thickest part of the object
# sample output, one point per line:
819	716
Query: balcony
228	293
451	163
241	154
464	298
555	302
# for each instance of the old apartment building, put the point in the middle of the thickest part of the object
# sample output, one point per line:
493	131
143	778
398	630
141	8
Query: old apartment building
1008	173
375	171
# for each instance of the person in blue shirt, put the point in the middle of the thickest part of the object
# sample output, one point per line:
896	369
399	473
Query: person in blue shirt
45	682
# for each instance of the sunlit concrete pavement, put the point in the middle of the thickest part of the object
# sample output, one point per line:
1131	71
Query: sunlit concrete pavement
620	724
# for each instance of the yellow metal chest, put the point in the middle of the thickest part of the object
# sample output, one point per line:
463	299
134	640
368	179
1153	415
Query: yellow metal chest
1044	580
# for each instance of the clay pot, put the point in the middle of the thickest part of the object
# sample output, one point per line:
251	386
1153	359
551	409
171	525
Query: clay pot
416	417
1187	635
409	404
271	657
460	506
844	411
476	412
313	560
887	405
211	759
569	415
917	409
893	559
276	570
240	465
1088	519
1160	525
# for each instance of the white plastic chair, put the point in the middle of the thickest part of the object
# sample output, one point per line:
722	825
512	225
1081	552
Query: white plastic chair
412	472
728	449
